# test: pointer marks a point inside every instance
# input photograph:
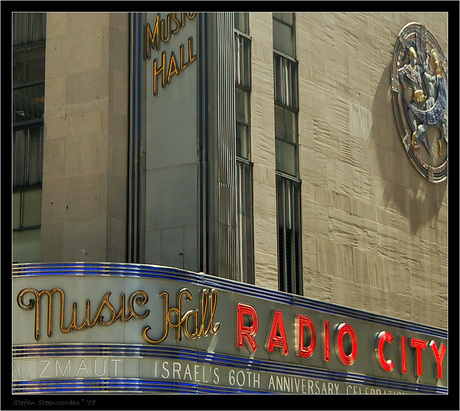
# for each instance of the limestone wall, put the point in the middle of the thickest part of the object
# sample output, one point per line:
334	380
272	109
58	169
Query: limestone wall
86	137
374	230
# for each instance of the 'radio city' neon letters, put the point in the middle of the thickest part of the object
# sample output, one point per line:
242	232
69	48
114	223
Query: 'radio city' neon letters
277	336
345	341
383	337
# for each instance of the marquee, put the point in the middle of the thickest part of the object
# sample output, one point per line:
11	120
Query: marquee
105	327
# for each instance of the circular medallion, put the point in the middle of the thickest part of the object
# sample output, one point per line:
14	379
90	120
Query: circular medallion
419	84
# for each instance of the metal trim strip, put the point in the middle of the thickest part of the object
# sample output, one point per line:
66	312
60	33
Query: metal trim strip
123	385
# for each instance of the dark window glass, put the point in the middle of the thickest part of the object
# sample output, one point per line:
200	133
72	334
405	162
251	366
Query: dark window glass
29	33
242	22
244	221
28	28
284	33
242	61
27	156
286	90
31	208
286	157
285	124
242	123
28	103
289	236
27	209
243	185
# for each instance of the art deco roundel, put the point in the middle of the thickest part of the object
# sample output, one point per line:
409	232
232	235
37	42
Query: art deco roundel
419	84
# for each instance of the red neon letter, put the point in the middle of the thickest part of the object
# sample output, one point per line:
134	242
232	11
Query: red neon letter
248	332
275	339
343	329
306	351
419	345
403	355
327	344
383	337
439	356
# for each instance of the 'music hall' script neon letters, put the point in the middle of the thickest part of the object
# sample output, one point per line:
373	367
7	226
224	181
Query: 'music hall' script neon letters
162	32
201	320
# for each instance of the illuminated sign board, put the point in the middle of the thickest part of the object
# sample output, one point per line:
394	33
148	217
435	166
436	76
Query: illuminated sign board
168	64
91	326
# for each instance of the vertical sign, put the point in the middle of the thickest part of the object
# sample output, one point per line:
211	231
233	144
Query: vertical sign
170	55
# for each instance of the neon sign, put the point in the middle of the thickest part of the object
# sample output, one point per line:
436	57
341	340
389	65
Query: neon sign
163	31
199	322
226	334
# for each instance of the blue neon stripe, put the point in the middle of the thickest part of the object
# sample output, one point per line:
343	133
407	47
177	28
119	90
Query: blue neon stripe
124	385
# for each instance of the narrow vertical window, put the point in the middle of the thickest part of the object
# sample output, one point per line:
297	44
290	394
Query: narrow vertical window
284	33
289	235
287	154
244	207
29	31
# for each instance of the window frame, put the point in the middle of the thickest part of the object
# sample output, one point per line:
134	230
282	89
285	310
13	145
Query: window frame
244	167
246	21
24	88
282	103
21	212
31	36
293	86
247	40
28	97
292	28
288	186
244	87
26	157
246	254
289	280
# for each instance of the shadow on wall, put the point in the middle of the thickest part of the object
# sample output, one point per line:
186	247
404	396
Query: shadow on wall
406	190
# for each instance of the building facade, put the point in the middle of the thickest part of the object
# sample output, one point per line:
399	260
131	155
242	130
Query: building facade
267	149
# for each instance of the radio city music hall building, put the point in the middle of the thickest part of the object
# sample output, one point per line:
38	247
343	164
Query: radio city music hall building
230	202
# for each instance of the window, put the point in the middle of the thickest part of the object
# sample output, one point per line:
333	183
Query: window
243	88
29	32
285	72
286	141
289	235
26	209
242	124
242	22
242	61
287	154
28	67
283	33
244	221
28	157
286	98
28	28
244	213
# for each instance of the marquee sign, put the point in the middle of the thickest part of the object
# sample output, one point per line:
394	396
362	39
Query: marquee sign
419	84
102	327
